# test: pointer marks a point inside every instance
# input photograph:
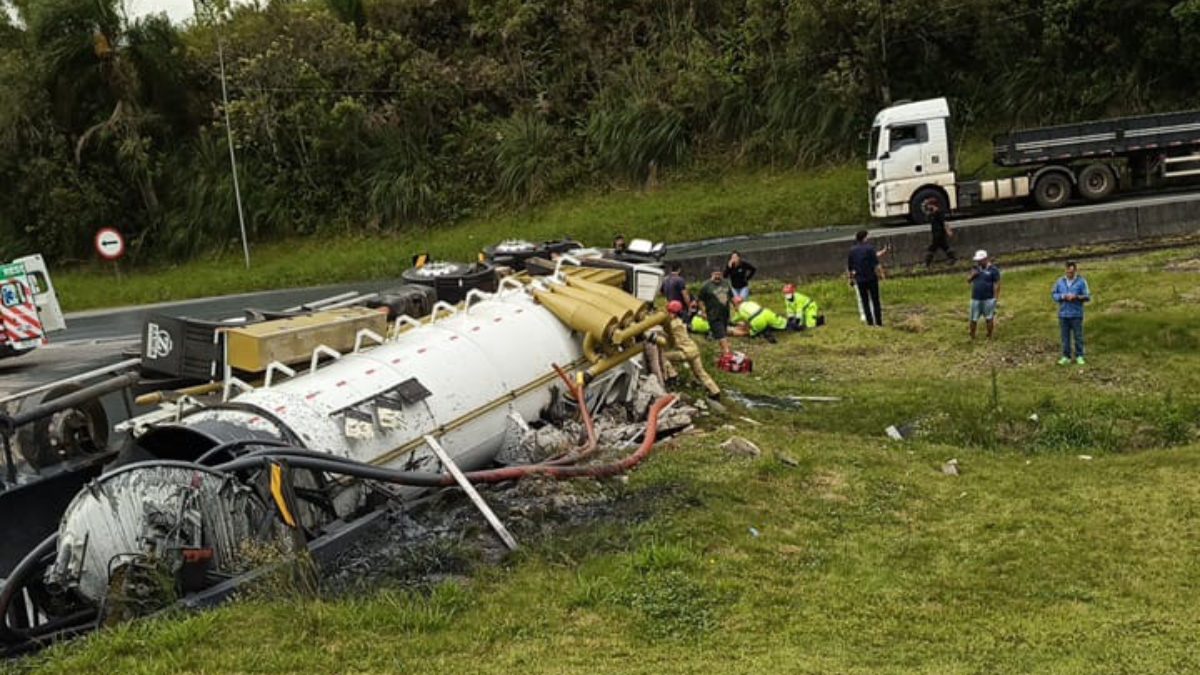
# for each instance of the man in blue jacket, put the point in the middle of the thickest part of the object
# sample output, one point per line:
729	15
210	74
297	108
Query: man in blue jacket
1071	292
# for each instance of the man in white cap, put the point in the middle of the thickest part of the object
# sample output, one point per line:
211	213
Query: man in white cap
985	291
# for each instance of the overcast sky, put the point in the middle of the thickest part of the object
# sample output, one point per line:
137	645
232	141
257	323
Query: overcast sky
178	10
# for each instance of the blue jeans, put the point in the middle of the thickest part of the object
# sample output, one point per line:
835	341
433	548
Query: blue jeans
743	292
1069	326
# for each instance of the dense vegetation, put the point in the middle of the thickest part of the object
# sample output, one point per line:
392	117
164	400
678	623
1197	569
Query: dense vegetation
398	115
1068	544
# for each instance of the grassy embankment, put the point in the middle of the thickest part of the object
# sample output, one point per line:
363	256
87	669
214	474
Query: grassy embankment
682	209
1069	543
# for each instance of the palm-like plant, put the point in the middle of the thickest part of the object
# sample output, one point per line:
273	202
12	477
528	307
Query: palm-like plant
107	76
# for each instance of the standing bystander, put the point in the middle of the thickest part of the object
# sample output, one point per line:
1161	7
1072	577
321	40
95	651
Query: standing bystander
865	271
674	287
985	292
715	296
940	234
1071	292
739	272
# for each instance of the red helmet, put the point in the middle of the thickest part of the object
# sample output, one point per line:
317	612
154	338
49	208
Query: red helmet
674	307
789	289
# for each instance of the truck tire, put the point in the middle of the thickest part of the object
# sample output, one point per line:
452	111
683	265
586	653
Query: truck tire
1096	182
78	431
1052	190
924	198
452	281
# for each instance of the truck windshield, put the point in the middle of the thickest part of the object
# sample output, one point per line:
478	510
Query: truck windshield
873	143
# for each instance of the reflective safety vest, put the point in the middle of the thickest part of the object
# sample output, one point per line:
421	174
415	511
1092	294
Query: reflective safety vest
699	324
800	306
759	318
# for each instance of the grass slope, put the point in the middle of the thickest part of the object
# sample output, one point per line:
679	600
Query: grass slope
867	558
689	208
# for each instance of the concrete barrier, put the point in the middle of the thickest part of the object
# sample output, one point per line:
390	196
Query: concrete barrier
827	256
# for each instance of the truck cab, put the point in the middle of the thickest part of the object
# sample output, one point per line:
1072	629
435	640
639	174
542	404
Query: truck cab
910	160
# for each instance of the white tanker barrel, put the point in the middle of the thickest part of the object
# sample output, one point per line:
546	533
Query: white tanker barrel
459	378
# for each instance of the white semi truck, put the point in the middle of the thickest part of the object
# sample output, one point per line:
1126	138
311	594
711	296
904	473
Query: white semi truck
911	160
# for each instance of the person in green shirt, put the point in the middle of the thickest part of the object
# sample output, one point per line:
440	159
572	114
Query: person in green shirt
762	321
803	313
715	297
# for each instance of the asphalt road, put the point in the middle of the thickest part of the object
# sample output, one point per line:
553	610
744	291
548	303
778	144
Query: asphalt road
97	338
773	240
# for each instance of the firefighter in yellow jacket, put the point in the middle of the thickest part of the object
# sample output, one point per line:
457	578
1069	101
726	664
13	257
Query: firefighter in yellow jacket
803	313
681	348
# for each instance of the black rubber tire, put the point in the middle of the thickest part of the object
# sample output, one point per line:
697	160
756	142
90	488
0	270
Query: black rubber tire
921	200
1096	182
1052	191
452	281
82	430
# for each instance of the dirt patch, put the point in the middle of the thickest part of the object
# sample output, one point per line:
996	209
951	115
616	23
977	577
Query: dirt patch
1189	265
828	485
1125	305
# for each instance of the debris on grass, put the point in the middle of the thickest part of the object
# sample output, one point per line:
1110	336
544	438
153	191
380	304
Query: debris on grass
950	468
740	447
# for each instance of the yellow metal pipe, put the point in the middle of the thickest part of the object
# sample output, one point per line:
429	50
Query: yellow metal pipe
156	397
608	363
617	295
624	335
577	315
622	314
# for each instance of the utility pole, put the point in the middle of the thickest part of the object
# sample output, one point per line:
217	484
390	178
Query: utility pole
237	188
885	91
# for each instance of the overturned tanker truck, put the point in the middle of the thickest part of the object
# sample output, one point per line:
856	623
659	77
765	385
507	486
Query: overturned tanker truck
305	459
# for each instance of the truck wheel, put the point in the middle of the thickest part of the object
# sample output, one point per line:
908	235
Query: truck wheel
918	209
1096	182
78	431
1052	190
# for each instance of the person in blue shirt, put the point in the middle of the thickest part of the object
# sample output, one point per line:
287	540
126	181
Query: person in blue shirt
864	270
1071	292
985	292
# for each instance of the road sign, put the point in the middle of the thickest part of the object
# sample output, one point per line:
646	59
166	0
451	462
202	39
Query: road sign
110	244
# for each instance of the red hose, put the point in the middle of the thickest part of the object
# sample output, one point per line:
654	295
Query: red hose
592	442
597	471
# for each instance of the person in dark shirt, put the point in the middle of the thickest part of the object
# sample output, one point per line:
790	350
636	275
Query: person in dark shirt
865	270
985	292
940	234
715	297
739	272
675	288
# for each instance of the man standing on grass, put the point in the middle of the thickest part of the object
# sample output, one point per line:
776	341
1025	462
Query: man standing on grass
1071	292
674	288
985	292
940	234
865	272
715	297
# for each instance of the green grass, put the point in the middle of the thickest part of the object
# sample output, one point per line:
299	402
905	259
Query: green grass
691	207
868	558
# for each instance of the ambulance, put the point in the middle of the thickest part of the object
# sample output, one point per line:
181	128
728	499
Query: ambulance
29	308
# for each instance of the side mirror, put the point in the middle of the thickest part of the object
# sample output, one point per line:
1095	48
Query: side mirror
886	155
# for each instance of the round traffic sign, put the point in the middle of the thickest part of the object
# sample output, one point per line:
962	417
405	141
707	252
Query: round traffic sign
110	244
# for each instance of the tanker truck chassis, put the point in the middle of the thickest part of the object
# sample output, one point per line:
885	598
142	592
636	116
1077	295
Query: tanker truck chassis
303	461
